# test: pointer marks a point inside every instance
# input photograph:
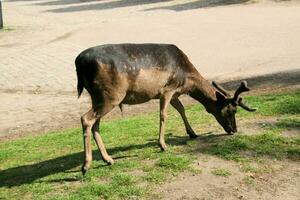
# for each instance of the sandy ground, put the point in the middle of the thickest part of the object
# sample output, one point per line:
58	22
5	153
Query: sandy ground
225	41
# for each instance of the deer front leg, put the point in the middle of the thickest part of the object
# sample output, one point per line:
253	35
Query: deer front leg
87	120
106	158
179	107
164	102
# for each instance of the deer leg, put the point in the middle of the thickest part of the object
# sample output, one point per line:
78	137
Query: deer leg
164	102
90	122
179	107
106	158
87	120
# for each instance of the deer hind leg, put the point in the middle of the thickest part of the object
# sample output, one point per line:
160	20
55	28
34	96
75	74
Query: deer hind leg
179	107
87	121
90	122
96	133
164	102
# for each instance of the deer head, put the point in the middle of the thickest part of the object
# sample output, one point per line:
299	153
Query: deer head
226	106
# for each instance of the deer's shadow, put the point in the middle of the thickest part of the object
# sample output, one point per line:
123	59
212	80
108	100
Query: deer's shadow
26	174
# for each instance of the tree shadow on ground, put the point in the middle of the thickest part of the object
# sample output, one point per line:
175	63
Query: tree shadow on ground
199	4
101	5
279	79
65	2
83	5
26	174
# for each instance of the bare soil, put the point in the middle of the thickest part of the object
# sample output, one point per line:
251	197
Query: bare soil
282	182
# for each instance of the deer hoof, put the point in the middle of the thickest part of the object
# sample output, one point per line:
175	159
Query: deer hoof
109	161
83	170
193	135
163	147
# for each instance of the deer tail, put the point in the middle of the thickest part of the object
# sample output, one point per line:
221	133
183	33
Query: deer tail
80	80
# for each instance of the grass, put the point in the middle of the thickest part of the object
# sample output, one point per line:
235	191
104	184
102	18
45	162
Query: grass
221	172
244	146
276	104
48	166
174	163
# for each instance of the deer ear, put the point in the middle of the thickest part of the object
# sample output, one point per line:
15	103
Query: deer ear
220	97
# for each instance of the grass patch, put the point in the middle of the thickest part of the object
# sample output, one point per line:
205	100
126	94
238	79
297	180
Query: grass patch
242	147
174	163
156	176
275	104
121	186
292	122
221	172
48	166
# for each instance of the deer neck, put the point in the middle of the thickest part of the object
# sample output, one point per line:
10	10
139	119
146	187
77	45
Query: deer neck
202	91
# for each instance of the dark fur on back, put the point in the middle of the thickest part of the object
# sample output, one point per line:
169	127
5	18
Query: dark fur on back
130	59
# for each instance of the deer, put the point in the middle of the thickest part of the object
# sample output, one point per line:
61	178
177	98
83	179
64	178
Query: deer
117	74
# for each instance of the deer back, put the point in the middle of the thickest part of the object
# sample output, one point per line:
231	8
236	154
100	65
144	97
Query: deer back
134	73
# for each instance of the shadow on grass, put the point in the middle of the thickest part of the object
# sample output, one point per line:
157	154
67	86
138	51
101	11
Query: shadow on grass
26	174
216	144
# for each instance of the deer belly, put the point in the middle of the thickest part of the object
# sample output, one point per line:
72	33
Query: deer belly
133	97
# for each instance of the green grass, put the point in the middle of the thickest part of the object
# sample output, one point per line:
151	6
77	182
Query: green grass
48	166
221	172
275	104
241	147
174	163
155	176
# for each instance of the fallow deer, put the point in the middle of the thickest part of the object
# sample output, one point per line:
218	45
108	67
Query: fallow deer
117	74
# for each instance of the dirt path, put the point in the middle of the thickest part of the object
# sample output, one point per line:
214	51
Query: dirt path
225	41
282	183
